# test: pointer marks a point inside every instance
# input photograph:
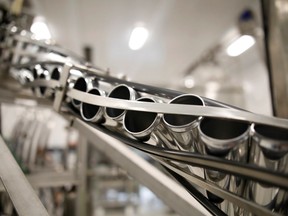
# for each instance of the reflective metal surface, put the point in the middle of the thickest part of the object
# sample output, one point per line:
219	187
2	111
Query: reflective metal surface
216	112
122	92
141	124
269	149
220	146
82	84
229	140
184	128
91	112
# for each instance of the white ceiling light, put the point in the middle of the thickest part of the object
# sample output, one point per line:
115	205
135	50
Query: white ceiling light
138	38
40	29
240	45
189	82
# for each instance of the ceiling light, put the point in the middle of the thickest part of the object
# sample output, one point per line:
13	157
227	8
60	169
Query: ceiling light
240	45
189	82
138	38
40	29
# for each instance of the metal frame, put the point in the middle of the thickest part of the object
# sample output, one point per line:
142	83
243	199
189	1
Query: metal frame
20	191
81	172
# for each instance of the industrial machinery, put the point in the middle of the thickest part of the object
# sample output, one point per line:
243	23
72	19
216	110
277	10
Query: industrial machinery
230	160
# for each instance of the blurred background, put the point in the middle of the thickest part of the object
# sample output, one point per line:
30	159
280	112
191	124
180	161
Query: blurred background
185	49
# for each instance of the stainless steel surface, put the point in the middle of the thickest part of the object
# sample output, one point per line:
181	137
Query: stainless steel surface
184	128
83	84
225	139
17	185
181	121
166	189
220	136
122	92
216	112
147	125
269	149
91	112
246	204
142	124
234	168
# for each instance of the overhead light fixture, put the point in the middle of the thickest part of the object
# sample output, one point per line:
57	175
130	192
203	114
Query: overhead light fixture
138	38
40	29
189	82
240	45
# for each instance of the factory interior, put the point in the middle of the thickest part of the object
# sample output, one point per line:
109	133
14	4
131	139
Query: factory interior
143	107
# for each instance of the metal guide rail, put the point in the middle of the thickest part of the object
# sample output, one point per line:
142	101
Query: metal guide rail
238	158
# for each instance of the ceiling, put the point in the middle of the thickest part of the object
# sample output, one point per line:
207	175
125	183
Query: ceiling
180	31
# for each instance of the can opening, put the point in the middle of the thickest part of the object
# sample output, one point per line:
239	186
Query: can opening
272	132
182	120
137	121
55	74
42	88
120	92
80	85
35	74
90	110
278	146
222	128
